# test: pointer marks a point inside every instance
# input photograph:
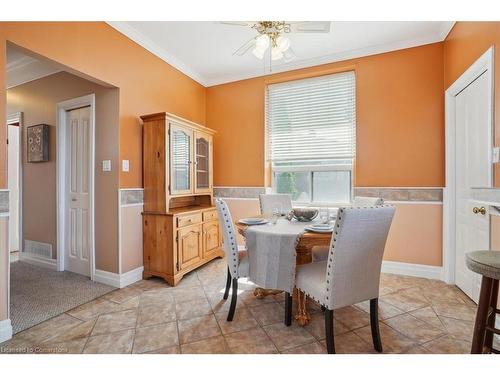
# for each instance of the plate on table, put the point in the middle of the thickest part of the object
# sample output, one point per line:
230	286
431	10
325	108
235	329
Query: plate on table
253	221
319	228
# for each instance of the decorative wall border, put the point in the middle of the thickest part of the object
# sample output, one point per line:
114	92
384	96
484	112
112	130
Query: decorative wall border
4	201
406	194
238	192
131	196
392	194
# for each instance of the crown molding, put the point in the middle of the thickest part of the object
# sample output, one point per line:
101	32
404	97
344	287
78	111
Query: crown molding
136	36
148	44
327	59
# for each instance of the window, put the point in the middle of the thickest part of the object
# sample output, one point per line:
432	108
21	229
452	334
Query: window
311	130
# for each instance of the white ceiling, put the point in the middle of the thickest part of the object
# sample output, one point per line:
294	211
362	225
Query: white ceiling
22	68
204	50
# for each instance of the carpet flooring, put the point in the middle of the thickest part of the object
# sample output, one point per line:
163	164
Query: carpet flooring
38	294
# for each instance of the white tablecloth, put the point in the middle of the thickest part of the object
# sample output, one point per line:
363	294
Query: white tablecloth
271	253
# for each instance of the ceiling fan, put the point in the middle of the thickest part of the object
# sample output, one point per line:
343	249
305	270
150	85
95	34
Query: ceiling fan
270	35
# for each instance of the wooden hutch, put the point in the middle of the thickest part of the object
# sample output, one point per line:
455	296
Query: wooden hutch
181	230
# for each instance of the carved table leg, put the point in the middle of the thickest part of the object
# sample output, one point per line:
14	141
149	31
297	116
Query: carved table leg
302	317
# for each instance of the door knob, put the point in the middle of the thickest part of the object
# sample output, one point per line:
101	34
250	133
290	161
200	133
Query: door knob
479	210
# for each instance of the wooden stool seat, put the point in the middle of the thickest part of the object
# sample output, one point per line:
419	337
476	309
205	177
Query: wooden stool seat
487	264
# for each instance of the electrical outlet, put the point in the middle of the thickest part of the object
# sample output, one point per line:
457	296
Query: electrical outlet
106	165
125	165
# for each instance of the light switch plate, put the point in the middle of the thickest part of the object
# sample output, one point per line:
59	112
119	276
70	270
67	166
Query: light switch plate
125	165
106	165
496	154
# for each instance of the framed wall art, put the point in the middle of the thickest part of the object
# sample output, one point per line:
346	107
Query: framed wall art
38	143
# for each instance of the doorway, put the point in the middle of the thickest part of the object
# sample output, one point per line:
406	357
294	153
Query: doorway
75	175
469	148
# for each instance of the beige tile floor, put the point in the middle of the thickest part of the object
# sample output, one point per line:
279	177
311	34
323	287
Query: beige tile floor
416	316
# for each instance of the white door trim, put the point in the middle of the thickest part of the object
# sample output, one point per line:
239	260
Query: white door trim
17	118
13	119
485	64
62	189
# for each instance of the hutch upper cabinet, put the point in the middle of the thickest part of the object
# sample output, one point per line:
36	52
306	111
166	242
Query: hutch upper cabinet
181	230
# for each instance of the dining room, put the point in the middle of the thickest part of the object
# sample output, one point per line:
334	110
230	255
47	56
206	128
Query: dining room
315	190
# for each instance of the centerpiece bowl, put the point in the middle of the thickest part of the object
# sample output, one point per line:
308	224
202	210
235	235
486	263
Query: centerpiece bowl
304	214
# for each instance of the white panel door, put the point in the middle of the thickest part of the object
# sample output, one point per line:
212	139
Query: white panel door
13	183
78	245
473	169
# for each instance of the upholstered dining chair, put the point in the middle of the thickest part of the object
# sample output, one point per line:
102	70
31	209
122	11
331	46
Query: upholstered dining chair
320	253
271	202
237	260
352	272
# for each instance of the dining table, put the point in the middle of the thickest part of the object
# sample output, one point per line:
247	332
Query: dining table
303	250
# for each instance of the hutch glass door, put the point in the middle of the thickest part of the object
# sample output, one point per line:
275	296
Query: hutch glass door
180	146
203	163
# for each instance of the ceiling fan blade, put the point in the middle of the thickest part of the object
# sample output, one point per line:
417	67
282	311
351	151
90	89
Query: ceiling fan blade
236	23
310	27
244	48
289	55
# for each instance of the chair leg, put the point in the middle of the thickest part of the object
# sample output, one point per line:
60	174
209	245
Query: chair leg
228	284
377	342
481	316
288	309
330	342
234	298
323	308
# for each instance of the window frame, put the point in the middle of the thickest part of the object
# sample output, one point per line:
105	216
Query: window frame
311	168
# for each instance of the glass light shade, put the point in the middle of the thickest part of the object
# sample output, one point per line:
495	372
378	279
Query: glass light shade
276	53
259	52
288	55
262	41
283	43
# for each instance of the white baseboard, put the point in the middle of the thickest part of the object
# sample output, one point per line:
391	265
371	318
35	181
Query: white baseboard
410	269
37	261
5	330
117	280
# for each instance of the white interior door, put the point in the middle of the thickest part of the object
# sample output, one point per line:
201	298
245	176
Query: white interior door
78	244
473	169
13	184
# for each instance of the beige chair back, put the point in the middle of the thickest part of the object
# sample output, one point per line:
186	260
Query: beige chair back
367	201
271	202
355	257
230	243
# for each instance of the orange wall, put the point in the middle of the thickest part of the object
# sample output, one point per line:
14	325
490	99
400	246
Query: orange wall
147	84
466	42
400	120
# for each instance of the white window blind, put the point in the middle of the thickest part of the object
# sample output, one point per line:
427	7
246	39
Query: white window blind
312	122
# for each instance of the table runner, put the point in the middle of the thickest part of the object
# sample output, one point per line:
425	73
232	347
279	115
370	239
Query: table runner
271	253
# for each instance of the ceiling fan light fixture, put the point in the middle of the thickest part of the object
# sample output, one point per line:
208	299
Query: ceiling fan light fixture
259	52
288	55
283	43
276	53
262	41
